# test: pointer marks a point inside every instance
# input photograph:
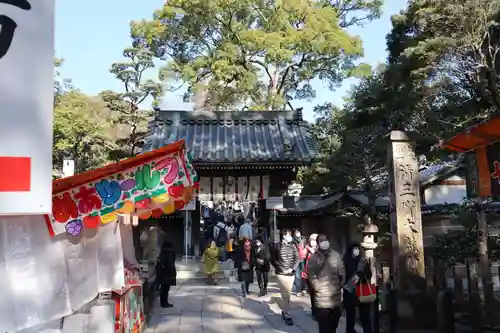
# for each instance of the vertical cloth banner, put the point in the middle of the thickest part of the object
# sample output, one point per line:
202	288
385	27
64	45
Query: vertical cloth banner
44	279
26	99
483	168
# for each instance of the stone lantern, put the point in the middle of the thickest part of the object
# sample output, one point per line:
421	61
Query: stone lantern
369	232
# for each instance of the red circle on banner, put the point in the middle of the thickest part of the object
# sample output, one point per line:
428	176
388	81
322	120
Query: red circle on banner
157	213
91	222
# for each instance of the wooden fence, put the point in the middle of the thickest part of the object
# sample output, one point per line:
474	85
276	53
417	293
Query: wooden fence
461	286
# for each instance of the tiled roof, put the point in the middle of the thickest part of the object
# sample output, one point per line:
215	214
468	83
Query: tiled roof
246	137
430	173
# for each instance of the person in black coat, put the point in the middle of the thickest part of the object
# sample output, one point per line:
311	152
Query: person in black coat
244	263
166	274
262	260
357	271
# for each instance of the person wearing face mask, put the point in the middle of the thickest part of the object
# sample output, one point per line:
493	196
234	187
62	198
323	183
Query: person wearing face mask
299	286
243	262
357	270
262	259
285	260
326	274
310	248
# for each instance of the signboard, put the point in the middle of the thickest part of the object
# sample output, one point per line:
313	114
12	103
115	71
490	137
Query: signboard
284	202
151	189
191	205
274	203
472	181
26	99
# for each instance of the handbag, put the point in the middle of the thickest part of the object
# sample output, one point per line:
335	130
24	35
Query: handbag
366	292
245	266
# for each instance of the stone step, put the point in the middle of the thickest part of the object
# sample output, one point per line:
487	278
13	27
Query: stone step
203	280
198	266
201	274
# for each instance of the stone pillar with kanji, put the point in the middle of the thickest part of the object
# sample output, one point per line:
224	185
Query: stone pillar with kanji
406	223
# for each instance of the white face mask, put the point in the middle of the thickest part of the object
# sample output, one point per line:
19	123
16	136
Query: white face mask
258	243
297	234
325	245
288	238
313	243
355	252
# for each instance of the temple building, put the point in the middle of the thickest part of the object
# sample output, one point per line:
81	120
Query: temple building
242	158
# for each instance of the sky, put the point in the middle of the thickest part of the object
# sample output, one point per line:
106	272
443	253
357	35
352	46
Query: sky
91	35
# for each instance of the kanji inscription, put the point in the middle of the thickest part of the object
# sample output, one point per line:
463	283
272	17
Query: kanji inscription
406	220
9	26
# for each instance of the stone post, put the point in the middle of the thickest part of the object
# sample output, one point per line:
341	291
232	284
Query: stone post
369	245
406	224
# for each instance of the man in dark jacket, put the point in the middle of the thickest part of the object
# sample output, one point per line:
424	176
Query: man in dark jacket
262	259
286	260
326	274
166	274
357	270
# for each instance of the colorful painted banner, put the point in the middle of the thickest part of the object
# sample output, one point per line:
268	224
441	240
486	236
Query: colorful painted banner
161	186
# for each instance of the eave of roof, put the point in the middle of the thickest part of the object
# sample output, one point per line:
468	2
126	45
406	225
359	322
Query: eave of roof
475	137
228	138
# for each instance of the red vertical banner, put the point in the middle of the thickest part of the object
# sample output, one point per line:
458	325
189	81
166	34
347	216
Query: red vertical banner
484	174
15	174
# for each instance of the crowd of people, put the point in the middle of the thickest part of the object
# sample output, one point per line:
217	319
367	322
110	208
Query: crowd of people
302	266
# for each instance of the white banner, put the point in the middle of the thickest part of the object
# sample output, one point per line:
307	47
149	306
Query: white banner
44	278
26	100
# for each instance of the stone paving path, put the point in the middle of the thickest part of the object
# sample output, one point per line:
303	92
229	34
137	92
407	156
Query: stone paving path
220	309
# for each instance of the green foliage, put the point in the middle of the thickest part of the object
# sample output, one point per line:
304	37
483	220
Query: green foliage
81	124
351	141
458	245
129	120
80	132
441	76
256	54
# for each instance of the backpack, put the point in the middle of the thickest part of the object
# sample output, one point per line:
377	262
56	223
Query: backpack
221	237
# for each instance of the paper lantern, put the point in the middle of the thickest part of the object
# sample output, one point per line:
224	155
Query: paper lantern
169	208
128	207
